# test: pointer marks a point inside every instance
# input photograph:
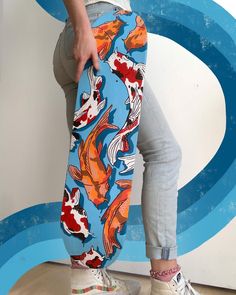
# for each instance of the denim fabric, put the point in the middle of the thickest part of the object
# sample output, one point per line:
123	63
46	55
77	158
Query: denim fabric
125	4
161	152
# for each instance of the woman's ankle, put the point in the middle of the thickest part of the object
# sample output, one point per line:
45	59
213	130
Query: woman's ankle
165	275
163	264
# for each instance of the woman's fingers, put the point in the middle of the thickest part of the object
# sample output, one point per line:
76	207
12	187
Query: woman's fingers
95	59
81	63
84	48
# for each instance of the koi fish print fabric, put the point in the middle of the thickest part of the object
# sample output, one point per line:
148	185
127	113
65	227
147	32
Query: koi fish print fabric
101	159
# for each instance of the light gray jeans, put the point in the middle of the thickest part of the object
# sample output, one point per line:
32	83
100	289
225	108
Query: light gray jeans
156	142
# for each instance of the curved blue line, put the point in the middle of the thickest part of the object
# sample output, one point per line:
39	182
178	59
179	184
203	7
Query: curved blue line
38	214
28	258
55	8
216	12
209	202
28	237
219	217
193	237
223	70
195	20
23	260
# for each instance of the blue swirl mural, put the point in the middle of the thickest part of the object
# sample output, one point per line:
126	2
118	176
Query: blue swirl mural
205	205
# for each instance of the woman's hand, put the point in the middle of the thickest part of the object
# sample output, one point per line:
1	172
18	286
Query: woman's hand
84	48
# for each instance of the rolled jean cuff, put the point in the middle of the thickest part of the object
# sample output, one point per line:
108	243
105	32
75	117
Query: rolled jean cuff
166	253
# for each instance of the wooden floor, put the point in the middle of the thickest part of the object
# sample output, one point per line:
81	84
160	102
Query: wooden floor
53	279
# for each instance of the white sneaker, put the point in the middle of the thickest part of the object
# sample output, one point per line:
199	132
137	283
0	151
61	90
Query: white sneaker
97	281
177	286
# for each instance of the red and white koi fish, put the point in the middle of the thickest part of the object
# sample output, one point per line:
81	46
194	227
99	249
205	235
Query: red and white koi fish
90	259
129	162
132	75
91	103
73	217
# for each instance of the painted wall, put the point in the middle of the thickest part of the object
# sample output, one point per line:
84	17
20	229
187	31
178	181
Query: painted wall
191	67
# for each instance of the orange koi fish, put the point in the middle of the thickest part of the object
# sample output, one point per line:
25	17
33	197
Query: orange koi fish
137	37
104	35
93	173
116	216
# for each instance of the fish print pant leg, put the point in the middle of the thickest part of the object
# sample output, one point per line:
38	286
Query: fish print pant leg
64	67
162	159
156	143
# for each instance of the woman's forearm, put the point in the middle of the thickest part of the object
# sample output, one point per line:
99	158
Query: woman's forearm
78	14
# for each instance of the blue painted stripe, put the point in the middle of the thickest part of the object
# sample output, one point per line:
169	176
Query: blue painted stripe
28	258
28	217
192	238
215	12
55	8
28	237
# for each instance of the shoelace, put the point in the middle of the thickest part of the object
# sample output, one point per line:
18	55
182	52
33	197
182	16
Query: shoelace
185	288
106	278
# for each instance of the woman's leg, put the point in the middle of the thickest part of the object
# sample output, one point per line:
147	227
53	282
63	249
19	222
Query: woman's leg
162	158
158	146
64	66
